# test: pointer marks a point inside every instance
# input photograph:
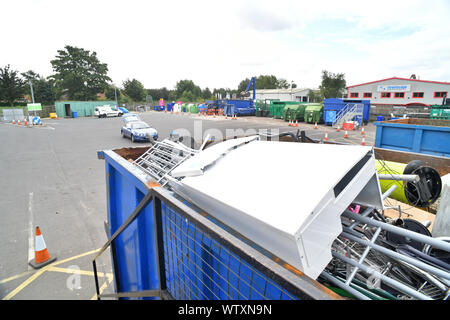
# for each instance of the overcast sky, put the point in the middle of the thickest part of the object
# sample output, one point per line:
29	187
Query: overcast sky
219	43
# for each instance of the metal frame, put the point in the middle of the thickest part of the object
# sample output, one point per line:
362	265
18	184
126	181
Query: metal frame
298	284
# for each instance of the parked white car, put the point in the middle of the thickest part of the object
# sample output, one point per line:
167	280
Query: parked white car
107	111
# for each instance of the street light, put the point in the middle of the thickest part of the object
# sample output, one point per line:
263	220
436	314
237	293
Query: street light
85	91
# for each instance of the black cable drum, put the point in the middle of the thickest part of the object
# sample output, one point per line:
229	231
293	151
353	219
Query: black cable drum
425	192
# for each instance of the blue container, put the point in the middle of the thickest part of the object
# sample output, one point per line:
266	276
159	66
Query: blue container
202	108
196	266
170	106
426	139
336	104
239	103
380	118
329	116
74	114
194	262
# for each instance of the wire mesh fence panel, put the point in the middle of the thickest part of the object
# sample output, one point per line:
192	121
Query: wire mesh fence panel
198	267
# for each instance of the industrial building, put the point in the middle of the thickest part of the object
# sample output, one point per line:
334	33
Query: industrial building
400	92
294	94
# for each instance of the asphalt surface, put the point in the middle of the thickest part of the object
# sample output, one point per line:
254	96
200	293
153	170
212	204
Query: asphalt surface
50	177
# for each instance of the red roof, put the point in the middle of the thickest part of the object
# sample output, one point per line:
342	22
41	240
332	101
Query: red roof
397	78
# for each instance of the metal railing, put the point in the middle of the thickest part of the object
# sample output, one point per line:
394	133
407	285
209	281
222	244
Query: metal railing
201	261
348	113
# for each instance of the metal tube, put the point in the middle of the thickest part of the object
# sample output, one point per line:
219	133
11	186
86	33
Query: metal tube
396	255
439	244
389	191
342	285
395	284
363	256
400	177
364	214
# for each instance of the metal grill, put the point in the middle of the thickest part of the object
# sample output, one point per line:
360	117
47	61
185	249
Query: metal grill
365	265
159	160
199	268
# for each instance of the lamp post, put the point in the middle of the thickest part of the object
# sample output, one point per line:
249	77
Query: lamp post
85	91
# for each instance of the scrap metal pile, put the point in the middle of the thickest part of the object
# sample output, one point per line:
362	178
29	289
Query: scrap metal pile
373	257
381	258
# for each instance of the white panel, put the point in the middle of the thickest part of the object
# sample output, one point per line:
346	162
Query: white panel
280	194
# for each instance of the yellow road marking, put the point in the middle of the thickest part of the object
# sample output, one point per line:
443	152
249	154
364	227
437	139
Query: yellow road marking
82	272
40	272
25	283
103	287
15	277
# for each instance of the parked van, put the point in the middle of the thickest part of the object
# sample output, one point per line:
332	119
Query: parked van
107	111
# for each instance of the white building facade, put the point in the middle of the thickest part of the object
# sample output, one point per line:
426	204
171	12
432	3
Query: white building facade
400	92
295	94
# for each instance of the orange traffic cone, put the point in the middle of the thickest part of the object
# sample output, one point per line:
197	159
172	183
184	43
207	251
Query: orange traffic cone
315	125
338	129
326	136
25	123
363	141
296	123
362	130
41	254
18	122
14	122
346	134
289	124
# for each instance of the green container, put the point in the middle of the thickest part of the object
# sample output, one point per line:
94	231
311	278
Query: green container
313	112
294	112
440	112
193	108
276	109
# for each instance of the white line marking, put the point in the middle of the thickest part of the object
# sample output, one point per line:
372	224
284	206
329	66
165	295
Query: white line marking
30	229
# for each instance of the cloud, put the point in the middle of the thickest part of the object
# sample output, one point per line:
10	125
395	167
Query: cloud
217	44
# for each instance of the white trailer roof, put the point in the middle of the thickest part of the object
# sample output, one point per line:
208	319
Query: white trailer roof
279	186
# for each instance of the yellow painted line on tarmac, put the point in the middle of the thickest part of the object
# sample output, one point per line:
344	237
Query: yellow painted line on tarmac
40	272
82	272
24	284
103	287
15	277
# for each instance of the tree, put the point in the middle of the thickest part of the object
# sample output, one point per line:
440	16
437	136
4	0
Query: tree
188	85
314	96
157	94
111	92
333	85
266	82
12	86
79	73
135	90
43	89
188	96
206	93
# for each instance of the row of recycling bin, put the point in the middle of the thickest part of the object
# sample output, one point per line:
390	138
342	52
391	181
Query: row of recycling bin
225	107
309	112
292	111
191	108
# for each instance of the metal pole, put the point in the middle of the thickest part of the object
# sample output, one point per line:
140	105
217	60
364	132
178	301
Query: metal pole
32	93
32	98
400	177
439	244
395	255
395	284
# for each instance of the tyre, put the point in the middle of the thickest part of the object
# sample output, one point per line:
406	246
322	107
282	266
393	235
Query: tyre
132	138
123	134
